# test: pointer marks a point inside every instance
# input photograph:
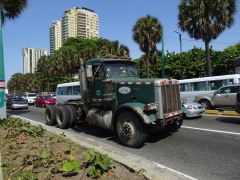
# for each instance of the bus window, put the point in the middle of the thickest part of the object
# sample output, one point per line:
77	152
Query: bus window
184	87
214	85
76	90
198	86
69	90
61	91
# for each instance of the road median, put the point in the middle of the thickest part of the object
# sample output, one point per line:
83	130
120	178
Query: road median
224	112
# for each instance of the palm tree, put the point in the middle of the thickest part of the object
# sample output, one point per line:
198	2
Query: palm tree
43	66
70	59
144	35
206	20
12	9
57	65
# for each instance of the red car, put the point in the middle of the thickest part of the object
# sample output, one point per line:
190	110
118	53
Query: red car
44	100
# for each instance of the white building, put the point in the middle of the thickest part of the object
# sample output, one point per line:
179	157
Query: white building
31	57
75	21
55	36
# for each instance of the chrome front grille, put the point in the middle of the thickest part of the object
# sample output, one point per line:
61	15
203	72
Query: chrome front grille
171	98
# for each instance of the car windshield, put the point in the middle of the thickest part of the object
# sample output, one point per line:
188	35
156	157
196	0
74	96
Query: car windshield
47	97
17	99
121	69
32	95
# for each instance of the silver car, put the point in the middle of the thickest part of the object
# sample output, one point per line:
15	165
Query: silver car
223	97
193	109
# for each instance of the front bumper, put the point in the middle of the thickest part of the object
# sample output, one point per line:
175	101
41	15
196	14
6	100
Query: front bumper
19	106
194	112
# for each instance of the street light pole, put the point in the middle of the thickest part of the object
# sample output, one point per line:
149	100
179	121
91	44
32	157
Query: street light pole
163	64
180	39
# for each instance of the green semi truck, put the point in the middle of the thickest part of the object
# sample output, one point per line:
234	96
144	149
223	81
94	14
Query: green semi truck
114	97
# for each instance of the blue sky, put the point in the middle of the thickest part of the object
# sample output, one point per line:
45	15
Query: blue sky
116	19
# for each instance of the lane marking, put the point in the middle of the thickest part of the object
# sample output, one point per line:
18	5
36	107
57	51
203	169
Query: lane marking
211	130
177	172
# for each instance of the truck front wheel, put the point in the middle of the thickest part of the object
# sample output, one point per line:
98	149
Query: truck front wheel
63	117
130	130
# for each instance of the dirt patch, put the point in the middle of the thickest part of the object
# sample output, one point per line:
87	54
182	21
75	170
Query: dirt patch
30	152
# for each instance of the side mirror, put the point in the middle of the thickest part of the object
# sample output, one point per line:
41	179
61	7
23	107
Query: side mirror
89	70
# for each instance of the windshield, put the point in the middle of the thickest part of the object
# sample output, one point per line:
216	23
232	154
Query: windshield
121	69
47	97
32	95
17	99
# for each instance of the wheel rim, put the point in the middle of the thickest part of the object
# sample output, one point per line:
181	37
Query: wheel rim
205	104
128	129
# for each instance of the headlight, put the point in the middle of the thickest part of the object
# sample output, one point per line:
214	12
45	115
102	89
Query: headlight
150	107
191	107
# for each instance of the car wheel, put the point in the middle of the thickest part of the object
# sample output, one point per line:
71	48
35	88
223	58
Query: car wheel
50	115
26	107
43	105
130	130
63	117
73	114
206	104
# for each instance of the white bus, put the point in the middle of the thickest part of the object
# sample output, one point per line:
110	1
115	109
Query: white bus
189	88
67	91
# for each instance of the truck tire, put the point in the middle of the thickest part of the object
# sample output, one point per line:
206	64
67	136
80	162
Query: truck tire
130	130
63	117
73	115
174	126
50	115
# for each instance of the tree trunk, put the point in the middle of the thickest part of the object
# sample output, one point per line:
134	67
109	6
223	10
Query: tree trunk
147	64
208	61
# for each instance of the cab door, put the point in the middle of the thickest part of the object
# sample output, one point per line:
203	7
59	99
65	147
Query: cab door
96	85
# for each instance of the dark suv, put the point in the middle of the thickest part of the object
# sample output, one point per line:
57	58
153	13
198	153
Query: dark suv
222	97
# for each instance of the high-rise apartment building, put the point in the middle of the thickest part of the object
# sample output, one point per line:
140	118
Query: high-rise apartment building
31	57
76	21
79	22
55	36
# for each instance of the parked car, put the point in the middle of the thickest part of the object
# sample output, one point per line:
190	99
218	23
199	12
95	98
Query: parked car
193	109
44	100
222	97
16	103
30	97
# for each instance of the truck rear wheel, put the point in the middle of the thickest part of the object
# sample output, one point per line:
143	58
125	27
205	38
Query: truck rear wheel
50	115
63	117
73	115
130	130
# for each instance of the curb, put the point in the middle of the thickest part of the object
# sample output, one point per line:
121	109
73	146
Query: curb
225	112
